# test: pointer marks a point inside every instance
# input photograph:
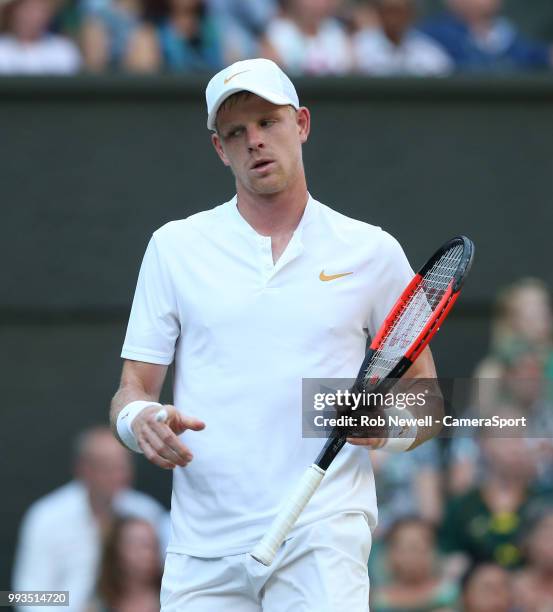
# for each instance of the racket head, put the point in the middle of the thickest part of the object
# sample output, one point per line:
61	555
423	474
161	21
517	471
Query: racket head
464	261
417	314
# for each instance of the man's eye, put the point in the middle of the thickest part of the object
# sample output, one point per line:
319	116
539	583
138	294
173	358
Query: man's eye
233	133
267	122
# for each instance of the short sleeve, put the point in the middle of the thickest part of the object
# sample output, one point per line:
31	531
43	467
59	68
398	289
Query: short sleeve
393	274
154	325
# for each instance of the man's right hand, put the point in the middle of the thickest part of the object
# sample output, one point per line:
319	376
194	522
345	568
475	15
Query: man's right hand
159	439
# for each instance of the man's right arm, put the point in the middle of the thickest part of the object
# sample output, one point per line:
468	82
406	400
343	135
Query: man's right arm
158	440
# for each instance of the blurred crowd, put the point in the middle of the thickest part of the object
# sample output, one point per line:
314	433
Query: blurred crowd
465	521
306	37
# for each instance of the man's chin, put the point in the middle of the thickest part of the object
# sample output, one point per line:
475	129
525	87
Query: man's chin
267	186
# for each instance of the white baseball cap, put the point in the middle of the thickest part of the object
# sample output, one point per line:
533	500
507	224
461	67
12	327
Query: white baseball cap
259	76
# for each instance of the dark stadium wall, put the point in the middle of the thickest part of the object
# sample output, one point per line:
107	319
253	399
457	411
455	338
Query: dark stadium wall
91	166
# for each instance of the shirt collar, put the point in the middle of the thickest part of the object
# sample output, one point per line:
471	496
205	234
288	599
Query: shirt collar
309	213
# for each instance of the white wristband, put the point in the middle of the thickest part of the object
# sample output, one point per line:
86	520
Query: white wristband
402	436
125	419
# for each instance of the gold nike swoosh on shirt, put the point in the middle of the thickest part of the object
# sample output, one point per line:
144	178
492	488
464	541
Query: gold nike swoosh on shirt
329	277
233	75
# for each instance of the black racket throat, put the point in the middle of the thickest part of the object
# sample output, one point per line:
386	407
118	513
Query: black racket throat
331	448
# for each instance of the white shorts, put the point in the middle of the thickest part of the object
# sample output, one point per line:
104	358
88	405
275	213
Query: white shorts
323	568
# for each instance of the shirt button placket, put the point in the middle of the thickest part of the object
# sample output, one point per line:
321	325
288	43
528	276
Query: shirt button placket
266	257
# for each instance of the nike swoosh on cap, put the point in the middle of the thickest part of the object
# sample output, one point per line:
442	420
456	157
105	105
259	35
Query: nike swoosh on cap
329	277
233	75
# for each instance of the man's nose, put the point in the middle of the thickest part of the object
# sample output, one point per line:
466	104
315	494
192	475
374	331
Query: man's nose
255	138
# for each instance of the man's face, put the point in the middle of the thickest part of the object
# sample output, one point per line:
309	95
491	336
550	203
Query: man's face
261	142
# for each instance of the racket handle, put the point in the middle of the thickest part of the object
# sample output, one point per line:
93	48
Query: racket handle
266	549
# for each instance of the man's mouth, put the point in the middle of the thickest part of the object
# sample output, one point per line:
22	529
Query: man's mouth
261	164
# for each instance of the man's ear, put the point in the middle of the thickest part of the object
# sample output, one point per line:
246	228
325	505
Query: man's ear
303	120
216	141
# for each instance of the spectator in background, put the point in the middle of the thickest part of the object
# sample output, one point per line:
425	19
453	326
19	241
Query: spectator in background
523	317
479	39
26	45
395	47
360	14
184	38
486	587
61	533
130	569
242	24
415	582
487	521
308	39
525	313
114	36
534	583
187	38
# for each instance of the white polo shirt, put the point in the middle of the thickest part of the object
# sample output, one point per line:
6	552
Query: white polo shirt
243	332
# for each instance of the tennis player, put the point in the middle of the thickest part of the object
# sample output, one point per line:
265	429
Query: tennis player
246	299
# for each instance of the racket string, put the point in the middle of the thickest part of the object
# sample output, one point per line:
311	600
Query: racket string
414	315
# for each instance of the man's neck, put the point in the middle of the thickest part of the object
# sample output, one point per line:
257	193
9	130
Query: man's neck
273	214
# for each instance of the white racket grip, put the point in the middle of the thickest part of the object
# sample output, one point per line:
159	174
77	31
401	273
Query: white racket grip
266	549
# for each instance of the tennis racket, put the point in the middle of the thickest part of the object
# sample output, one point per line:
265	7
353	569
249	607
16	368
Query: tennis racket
411	324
